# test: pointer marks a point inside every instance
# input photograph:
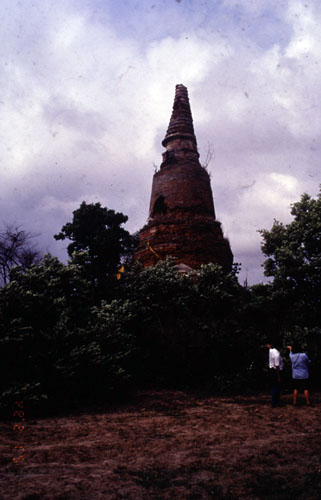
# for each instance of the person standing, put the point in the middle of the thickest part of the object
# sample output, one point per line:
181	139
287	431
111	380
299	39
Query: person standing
300	374
275	366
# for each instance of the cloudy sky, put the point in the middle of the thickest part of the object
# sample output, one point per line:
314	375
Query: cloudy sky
86	91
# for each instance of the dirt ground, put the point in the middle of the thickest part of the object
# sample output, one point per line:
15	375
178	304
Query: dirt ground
167	445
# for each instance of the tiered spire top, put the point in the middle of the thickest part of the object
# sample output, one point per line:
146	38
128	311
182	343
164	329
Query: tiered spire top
181	122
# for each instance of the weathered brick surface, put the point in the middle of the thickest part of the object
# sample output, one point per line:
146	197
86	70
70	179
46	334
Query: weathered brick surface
184	186
181	220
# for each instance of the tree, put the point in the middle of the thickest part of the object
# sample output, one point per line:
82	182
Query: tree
39	309
54	345
98	231
185	326
294	261
16	250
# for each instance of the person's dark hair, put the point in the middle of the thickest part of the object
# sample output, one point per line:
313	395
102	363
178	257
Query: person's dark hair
295	348
274	345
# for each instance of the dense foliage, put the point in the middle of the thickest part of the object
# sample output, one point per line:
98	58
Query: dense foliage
53	344
71	333
294	261
184	324
99	231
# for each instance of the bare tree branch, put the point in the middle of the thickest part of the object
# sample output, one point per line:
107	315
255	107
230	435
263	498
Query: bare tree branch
209	155
16	250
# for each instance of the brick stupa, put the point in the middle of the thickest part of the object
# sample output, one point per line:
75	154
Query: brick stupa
181	221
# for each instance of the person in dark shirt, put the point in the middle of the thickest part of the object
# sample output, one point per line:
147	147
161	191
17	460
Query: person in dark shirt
300	374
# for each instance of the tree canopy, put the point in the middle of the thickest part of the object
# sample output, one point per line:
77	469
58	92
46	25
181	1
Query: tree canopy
294	259
98	231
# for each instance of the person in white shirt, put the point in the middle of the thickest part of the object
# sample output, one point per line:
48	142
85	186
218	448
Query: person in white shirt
275	365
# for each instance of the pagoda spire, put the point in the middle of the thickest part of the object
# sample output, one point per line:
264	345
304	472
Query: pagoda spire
181	221
181	122
180	141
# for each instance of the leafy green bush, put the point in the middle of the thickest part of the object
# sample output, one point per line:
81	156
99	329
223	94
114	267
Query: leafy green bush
185	326
53	344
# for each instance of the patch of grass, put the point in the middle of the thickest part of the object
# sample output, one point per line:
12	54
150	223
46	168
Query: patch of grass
271	486
157	480
312	482
212	490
